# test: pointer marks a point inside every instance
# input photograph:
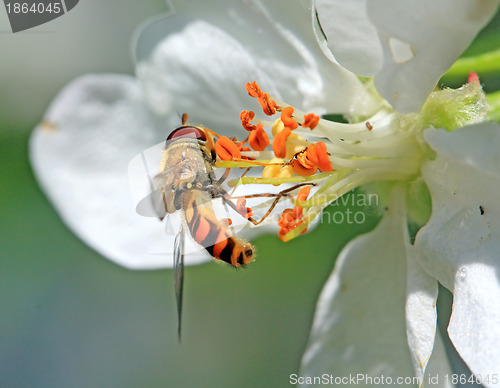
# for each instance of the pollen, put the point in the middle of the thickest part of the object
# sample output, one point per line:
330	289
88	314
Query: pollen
268	105
337	156
277	168
319	156
294	142
258	138
310	121
287	119
226	149
291	218
301	196
247	116
266	102
303	170
253	89
279	142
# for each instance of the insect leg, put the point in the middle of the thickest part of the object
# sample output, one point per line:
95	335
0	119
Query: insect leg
228	199
223	177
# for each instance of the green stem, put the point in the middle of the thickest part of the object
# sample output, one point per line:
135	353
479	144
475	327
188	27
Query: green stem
482	64
494	103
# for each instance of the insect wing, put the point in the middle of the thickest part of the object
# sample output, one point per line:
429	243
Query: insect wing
146	184
179	275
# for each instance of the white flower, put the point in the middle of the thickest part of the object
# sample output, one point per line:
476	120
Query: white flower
199	65
377	312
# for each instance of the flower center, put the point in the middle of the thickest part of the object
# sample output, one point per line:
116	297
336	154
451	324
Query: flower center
337	157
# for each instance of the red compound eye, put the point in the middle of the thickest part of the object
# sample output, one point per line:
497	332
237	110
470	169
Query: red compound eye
187	131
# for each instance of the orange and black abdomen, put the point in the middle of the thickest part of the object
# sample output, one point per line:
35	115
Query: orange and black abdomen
207	231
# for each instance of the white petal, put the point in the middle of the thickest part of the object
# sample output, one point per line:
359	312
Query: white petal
420	41
360	326
421	315
406	45
460	245
438	366
80	154
352	37
203	63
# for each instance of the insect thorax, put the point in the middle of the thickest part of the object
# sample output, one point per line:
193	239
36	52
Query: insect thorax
190	167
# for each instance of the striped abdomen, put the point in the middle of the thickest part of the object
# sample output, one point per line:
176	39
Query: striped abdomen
211	234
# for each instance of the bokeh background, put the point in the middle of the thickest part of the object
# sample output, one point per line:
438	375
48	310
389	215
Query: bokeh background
71	318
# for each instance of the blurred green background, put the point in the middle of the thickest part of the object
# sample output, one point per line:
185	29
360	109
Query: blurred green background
71	318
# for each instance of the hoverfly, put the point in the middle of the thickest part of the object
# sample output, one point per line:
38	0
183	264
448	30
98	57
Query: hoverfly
187	184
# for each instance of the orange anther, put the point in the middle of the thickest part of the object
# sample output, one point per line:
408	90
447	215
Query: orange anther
286	218
324	163
301	170
267	104
279	142
245	117
303	158
241	206
253	89
281	234
288	226
226	149
301	196
303	193
288	120
258	139
310	121
312	155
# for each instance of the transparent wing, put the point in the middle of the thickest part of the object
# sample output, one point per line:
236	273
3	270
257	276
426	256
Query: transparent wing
179	275
153	203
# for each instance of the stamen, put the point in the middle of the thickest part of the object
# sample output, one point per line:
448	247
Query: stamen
310	121
348	155
318	155
278	168
245	117
291	218
258	139
300	169
279	142
253	89
267	104
288	120
301	196
226	149
303	159
244	149
287	217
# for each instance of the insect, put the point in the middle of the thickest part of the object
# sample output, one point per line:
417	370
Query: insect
187	183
